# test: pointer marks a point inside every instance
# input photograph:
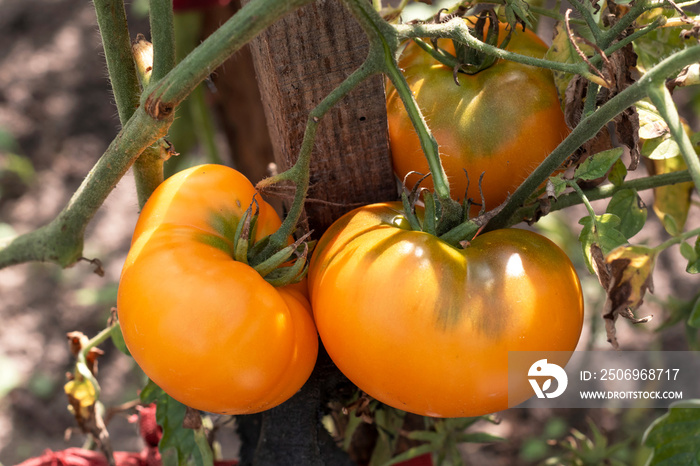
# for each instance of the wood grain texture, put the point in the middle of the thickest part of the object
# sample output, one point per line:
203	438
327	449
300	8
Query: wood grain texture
298	61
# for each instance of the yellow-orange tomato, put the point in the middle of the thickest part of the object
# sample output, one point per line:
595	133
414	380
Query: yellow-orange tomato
502	121
207	329
426	327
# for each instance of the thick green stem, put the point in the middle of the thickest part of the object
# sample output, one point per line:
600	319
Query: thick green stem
456	29
609	36
114	30
148	168
163	37
384	39
299	173
579	192
61	241
148	173
589	127
657	23
603	192
247	23
677	240
588	18
427	140
662	100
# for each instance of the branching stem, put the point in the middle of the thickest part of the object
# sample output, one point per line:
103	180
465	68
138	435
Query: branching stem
662	100
590	125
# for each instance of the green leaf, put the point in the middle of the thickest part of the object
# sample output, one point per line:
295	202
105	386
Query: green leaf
660	148
627	205
674	436
410	454
178	444
388	421
651	123
425	436
150	393
118	340
693	256
556	185
618	173
672	202
598	165
688	252
602	230
657	45
563	51
694	318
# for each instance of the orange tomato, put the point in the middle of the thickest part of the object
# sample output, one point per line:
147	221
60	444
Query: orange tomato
207	329
426	327
502	121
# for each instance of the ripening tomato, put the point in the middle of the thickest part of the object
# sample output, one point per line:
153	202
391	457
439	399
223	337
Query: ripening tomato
502	121
207	329
426	327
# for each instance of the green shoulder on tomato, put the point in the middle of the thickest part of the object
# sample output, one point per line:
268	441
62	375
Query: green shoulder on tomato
426	327
502	121
207	329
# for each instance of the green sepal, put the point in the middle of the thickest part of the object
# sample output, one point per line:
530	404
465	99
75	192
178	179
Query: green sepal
429	221
410	214
266	267
244	231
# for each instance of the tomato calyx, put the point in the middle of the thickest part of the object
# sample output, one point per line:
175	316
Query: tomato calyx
466	59
438	216
281	267
445	218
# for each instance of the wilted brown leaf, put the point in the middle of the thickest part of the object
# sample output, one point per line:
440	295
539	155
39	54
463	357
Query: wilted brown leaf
629	276
76	341
618	72
193	420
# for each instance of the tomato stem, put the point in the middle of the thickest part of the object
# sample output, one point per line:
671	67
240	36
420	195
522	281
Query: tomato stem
457	30
589	126
300	172
163	37
384	45
237	31
111	19
602	192
676	240
662	100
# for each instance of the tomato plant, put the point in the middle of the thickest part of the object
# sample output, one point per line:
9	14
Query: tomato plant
426	327
501	121
209	330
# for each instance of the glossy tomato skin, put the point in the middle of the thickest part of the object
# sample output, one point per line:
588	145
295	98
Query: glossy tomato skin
502	121
207	329
425	327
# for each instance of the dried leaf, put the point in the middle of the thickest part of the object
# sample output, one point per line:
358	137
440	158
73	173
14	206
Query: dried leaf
84	394
630	269
193	420
672	202
651	124
690	75
76	341
563	51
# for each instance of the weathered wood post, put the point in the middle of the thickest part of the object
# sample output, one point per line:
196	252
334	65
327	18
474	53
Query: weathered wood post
298	61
